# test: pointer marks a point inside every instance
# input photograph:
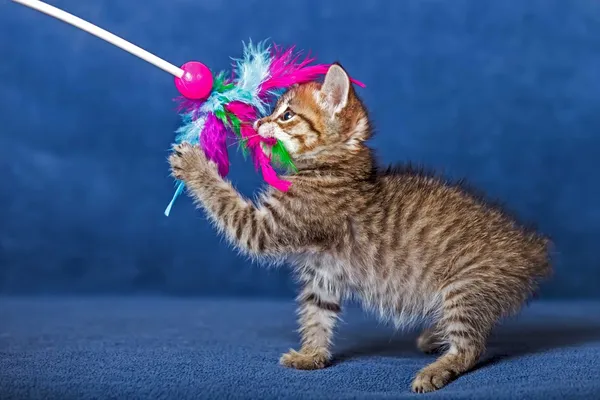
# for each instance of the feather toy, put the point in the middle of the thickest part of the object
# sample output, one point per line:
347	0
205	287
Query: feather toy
217	108
259	77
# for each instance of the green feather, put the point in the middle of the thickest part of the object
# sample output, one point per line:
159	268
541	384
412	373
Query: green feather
232	122
222	115
236	126
219	85
282	157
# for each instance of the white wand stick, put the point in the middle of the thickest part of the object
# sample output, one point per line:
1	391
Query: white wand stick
193	80
103	34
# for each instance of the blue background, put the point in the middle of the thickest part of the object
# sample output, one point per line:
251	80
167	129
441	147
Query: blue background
503	93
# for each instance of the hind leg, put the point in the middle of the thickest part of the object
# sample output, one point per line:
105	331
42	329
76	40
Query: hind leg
449	366
465	327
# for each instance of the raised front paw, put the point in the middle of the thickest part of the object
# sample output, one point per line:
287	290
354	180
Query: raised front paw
186	159
305	359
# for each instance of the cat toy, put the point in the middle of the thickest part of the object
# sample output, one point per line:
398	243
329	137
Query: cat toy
216	107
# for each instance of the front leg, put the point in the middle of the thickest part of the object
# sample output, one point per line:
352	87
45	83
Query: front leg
319	310
237	218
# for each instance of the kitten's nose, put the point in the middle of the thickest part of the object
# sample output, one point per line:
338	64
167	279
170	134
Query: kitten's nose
257	124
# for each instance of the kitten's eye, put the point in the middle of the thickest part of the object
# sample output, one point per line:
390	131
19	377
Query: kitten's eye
287	115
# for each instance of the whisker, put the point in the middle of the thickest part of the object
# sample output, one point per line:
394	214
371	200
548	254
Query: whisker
238	140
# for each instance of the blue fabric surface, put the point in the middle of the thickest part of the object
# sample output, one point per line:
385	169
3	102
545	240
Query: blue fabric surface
503	93
160	348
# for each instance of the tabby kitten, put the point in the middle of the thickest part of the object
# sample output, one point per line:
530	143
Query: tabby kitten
408	245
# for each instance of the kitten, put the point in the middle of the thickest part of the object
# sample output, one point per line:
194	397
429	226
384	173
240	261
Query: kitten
407	244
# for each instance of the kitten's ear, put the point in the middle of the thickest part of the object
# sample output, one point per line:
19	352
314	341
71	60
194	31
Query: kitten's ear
336	88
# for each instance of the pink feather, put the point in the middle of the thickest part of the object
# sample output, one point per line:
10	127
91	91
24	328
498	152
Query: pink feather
287	69
247	115
269	174
213	141
243	111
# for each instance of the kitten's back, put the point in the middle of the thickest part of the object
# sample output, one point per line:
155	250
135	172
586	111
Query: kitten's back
447	232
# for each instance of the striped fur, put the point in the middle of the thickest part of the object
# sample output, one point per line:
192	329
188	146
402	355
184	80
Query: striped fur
409	245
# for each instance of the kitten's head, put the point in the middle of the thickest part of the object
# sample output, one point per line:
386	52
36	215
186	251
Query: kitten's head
314	120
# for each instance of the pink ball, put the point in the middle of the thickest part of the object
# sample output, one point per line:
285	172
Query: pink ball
197	81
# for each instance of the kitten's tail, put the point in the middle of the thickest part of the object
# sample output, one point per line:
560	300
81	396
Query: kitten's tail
542	263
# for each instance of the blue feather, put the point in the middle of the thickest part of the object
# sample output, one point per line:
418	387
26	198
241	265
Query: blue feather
252	70
191	130
178	191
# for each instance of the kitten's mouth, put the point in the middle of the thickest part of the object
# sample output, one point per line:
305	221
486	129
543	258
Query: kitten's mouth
275	150
269	141
267	146
266	133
